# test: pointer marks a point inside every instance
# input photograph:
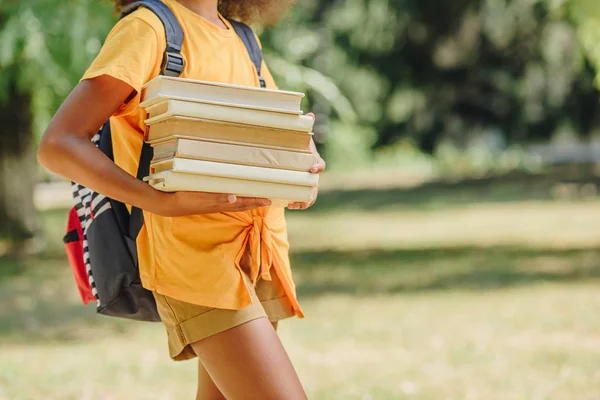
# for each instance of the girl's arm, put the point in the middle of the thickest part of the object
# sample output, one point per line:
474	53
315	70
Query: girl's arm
66	150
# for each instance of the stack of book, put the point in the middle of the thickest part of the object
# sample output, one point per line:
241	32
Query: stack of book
223	138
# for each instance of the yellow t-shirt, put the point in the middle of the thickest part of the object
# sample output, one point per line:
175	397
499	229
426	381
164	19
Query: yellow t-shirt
196	258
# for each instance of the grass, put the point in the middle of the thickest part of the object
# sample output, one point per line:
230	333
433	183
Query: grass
461	300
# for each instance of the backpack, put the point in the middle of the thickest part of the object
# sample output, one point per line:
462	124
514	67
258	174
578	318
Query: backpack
101	233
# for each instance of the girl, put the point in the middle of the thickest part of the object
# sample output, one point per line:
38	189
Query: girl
217	264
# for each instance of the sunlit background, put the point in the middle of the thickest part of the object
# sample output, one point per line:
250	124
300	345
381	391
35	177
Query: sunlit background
453	253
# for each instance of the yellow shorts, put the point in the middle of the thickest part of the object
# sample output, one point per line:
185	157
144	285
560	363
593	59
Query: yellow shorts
188	323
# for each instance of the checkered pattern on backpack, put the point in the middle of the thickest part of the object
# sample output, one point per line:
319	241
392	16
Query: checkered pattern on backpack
86	203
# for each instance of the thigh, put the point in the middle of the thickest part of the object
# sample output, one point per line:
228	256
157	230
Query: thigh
207	390
249	362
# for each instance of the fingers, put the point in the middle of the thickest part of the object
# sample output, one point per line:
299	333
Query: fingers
295	206
244	204
221	202
252	202
224	198
319	166
299	206
235	201
304	205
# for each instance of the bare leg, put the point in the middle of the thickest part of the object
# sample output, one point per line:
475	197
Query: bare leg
207	390
249	362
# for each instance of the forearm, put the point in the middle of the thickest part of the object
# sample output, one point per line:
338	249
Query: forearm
77	159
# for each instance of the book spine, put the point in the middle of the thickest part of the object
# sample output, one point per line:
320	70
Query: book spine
216	95
147	133
173	182
150	91
156	139
244	155
245	172
160	112
163	156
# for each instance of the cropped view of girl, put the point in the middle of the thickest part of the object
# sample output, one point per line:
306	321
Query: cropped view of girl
217	264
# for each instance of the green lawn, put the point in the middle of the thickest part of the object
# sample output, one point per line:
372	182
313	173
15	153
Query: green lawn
443	291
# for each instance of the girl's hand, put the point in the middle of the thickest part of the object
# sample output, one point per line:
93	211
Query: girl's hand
181	204
316	169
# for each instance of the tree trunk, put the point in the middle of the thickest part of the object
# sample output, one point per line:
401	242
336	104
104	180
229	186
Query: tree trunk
18	217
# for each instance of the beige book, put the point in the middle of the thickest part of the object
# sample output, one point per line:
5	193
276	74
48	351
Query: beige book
280	194
170	87
218	112
232	154
202	129
244	172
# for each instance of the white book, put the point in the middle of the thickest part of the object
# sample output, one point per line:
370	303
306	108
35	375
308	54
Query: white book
217	112
163	86
281	195
165	152
148	105
245	172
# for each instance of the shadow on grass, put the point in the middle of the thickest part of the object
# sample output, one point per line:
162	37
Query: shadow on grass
10	267
516	186
40	304
465	268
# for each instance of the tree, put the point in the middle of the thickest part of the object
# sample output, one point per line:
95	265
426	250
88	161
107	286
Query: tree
586	16
437	71
376	72
44	47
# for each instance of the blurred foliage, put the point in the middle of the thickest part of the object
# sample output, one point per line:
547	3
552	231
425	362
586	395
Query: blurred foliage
442	73
381	75
45	46
586	14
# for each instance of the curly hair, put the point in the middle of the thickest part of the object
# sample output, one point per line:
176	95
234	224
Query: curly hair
262	12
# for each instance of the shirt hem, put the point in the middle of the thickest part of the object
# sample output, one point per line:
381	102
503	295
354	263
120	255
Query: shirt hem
198	299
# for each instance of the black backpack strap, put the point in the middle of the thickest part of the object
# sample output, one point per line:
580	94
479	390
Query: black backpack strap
172	64
247	35
136	221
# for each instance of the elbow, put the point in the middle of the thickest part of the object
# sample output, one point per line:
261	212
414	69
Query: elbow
49	149
44	151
